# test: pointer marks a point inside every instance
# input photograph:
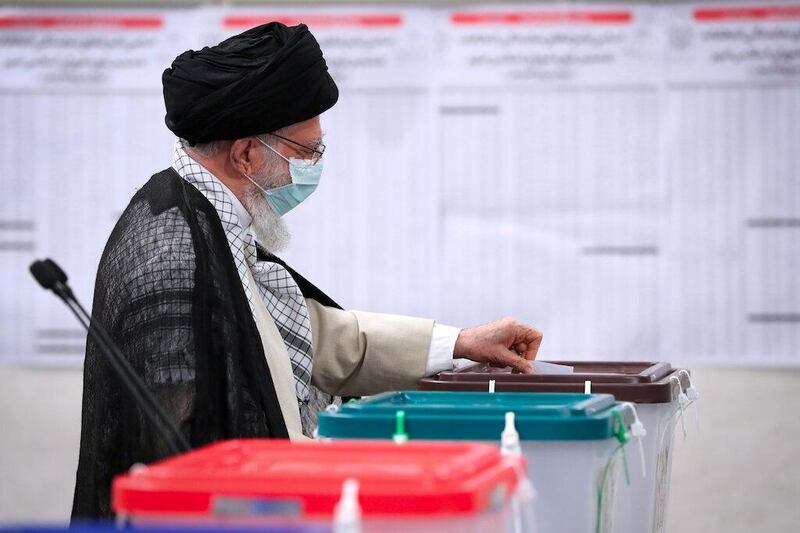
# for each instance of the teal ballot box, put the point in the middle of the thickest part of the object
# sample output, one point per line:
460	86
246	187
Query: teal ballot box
574	443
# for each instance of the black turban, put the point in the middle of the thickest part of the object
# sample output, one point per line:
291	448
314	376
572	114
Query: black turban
259	81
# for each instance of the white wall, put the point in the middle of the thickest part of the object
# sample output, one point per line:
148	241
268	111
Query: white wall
738	474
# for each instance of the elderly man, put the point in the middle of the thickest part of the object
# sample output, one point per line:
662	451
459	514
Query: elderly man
233	342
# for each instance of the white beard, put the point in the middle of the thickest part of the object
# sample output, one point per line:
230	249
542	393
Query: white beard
269	228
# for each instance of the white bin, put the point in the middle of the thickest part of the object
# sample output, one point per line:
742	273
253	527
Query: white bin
572	442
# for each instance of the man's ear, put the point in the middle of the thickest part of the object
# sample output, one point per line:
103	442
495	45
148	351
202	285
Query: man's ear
243	155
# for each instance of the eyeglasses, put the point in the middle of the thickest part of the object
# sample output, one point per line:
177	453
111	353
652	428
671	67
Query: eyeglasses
316	153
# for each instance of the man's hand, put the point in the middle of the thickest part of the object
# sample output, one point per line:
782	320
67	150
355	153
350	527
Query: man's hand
500	343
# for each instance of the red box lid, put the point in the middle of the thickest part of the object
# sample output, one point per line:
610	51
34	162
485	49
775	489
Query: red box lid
416	478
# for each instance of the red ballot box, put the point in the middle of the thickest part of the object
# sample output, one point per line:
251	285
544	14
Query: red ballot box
420	486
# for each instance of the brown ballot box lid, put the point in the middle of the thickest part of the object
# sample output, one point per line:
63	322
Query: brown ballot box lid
639	382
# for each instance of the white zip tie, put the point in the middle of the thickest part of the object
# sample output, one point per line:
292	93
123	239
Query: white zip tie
491	385
683	401
638	430
693	395
587	387
527	492
347	514
137	468
523	498
509	438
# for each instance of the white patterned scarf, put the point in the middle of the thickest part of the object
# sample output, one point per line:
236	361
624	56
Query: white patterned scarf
277	288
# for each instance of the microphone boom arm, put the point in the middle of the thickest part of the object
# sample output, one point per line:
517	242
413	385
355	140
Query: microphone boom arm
50	276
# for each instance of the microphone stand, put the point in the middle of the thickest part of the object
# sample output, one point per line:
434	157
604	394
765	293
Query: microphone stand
131	381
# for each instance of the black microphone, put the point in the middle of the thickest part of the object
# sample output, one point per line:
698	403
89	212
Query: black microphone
52	277
45	274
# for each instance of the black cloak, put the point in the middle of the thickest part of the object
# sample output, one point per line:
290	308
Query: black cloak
169	294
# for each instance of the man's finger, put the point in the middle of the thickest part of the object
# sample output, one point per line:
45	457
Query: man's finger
508	358
533	345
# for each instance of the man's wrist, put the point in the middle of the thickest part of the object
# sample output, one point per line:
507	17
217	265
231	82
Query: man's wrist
442	348
462	347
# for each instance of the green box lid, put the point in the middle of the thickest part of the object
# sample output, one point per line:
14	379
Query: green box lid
478	416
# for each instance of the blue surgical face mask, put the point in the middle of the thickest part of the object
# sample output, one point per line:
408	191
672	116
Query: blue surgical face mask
305	178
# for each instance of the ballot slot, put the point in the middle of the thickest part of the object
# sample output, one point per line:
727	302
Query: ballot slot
596	371
574	443
660	393
426	487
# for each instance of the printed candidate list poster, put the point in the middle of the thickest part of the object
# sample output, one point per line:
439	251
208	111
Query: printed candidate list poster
554	198
368	234
83	126
622	176
731	131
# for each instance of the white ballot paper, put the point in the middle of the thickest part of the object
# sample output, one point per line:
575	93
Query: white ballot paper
539	367
542	367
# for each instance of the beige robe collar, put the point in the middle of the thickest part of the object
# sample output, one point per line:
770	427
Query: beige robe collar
279	365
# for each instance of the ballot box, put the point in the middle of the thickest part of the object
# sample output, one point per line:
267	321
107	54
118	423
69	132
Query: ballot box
369	487
573	442
661	394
